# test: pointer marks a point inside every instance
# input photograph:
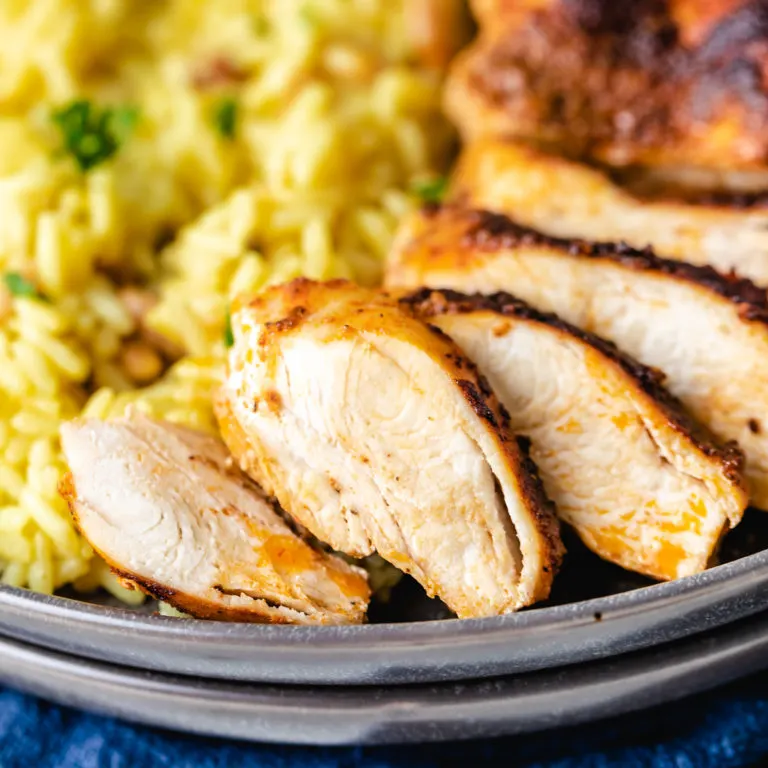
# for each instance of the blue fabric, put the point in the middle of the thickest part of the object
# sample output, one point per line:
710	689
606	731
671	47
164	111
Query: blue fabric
721	729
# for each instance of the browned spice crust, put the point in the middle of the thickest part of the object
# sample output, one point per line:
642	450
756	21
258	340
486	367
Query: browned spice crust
531	484
427	303
291	321
298	292
67	491
299	295
633	76
473	396
194	606
481	398
488	231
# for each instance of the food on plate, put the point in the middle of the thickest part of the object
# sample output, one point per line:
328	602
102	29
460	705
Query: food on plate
643	486
708	333
159	158
377	434
169	511
163	159
649	82
564	198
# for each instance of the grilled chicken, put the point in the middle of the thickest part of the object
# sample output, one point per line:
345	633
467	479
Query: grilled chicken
171	514
708	333
375	433
623	463
569	199
648	82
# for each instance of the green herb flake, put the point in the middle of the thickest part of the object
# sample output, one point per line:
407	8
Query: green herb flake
123	121
261	26
92	135
225	117
20	287
431	190
229	337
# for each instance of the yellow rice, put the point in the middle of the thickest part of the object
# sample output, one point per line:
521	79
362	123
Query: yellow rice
335	119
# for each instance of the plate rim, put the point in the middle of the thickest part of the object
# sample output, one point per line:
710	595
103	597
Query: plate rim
376	654
635	600
387	715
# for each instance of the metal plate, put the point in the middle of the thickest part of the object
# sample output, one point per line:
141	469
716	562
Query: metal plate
412	652
341	715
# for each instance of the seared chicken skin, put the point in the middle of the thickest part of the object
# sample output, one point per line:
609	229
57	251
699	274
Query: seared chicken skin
706	332
375	433
168	511
649	82
568	199
642	486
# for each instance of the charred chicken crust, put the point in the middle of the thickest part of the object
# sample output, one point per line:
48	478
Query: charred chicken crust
647	81
485	230
607	288
430	303
477	393
475	389
354	328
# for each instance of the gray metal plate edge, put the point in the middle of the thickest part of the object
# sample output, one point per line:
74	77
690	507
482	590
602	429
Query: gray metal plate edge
394	653
323	715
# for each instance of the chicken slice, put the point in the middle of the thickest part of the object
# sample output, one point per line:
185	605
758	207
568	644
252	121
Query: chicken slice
375	433
706	332
171	514
625	466
647	82
568	199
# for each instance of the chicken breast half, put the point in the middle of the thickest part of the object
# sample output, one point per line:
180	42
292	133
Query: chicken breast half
706	332
648	82
375	433
642	485
568	199
171	514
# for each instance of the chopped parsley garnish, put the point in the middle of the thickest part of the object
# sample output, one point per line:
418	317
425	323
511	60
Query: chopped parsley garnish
261	25
123	122
20	287
229	337
92	134
225	117
431	190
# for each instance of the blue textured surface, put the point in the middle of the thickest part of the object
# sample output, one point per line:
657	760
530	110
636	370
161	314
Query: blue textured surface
720	729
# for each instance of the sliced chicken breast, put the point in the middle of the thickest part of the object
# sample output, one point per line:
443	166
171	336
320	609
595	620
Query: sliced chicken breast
625	466
569	199
375	433
171	514
706	332
646	82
